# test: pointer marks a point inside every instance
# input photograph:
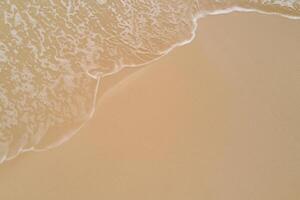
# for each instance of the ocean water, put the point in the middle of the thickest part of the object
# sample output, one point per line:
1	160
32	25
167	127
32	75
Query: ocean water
53	55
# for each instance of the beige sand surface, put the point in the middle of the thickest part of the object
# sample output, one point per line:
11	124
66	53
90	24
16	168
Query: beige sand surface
214	120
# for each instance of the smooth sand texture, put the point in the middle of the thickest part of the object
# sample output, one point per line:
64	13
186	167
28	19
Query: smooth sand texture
214	120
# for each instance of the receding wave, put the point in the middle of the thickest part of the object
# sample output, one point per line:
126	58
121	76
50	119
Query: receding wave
54	53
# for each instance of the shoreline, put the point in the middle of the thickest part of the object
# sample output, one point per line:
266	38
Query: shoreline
214	119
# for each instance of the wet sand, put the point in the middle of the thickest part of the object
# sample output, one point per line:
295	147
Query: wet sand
215	120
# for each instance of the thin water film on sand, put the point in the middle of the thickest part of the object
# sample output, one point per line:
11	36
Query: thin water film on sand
54	53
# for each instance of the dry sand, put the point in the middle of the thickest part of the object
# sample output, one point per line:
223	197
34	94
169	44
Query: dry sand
214	120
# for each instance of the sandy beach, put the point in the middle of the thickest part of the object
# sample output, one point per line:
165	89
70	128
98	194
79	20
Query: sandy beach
216	119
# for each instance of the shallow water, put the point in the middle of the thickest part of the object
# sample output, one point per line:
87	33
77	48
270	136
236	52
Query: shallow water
53	55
